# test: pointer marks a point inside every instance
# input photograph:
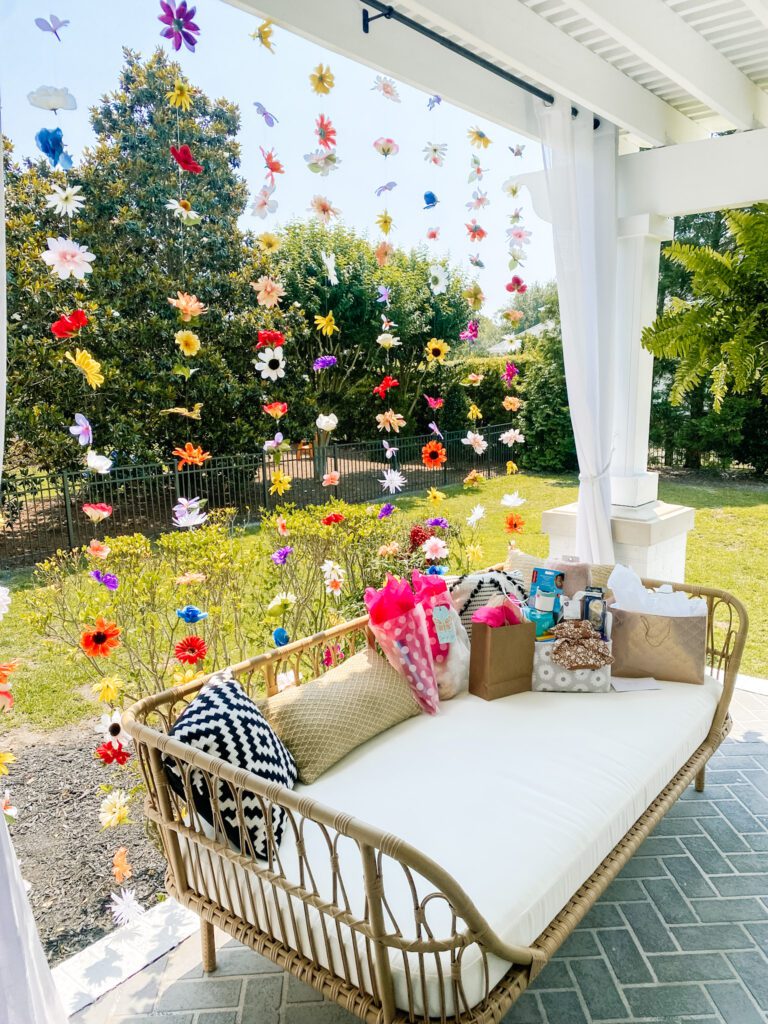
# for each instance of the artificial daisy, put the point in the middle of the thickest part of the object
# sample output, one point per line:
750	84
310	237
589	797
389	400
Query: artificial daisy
101	639
512	500
386	146
66	259
189	306
110	728
325	132
434	153
270	363
478	138
188	342
388	341
88	366
326	324
268	291
382	252
179	24
323	209
190	650
436	350
263	203
434	496
392	481
435	549
180	96
390	420
281	482
437	278
477	513
108	689
65	200
384	222
190	455
475	441
474	296
97	463
322	80
511	403
433	455
114	809
125	907
511	437
387	88
514	523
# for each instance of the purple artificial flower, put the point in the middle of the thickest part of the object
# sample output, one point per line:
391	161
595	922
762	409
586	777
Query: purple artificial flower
386	510
470	332
273	443
82	430
324	363
180	28
280	557
107	579
440	521
435	429
384	294
509	373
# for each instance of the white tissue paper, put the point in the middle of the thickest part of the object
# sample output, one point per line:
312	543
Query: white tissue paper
631	596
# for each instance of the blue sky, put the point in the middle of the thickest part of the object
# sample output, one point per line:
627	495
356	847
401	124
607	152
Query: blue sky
228	63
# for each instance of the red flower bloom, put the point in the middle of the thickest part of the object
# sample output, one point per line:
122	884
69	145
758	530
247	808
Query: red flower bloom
112	755
69	324
517	285
333	517
190	650
270	339
100	639
434	403
185	160
325	132
418	535
388	382
275	409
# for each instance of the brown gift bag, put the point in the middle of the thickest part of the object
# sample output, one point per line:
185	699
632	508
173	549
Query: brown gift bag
673	648
501	659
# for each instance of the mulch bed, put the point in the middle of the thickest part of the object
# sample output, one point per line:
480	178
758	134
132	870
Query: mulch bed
64	853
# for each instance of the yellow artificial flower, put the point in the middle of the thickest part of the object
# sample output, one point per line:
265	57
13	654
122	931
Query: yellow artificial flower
263	34
478	138
114	809
88	366
473	479
390	420
384	222
281	482
511	403
474	552
322	80
474	413
434	496
474	296
268	241
107	689
437	350
180	96
326	324
5	760
188	342
182	676
511	468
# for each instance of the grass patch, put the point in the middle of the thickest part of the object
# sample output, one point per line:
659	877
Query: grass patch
727	549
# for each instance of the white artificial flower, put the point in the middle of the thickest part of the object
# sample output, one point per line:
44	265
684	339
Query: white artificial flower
434	549
478	513
438	279
48	97
184	505
389	450
125	907
512	500
286	679
66	259
327	422
387	88
478	201
281	602
322	161
110	728
5	601
393	481
183	210
333	577
511	186
65	200
188	519
97	463
263	203
476	441
270	363
387	341
329	261
434	153
512	436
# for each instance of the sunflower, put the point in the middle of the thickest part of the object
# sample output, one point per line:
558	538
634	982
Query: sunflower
434	497
514	523
437	350
322	80
433	455
268	241
281	483
326	324
180	96
88	366
190	650
100	639
188	342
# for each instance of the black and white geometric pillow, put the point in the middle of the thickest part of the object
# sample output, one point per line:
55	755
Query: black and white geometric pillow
478	589
224	722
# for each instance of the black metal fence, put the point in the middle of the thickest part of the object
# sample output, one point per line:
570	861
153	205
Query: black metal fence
42	513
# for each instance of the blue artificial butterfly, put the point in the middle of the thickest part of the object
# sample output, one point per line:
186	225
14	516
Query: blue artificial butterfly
386	188
433	101
269	119
51	26
430	200
516	150
51	144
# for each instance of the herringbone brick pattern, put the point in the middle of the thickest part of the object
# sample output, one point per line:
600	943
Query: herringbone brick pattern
680	936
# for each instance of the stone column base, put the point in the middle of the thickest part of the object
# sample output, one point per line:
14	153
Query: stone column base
651	538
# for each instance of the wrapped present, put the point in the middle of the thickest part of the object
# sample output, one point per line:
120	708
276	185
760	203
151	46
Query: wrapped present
448	638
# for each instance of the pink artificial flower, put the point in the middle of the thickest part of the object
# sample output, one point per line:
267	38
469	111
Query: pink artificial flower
331	479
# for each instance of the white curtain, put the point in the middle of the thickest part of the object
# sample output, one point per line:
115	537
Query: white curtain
580	168
27	991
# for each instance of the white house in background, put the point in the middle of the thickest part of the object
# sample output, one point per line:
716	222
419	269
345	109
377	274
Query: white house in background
513	342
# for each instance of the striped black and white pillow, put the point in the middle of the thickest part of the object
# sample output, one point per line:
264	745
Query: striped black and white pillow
224	722
478	589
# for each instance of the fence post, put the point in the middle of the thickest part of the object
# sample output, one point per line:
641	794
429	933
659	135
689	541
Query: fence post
264	481
68	510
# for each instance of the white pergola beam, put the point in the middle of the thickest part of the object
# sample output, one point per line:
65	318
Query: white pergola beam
759	8
515	37
394	50
660	37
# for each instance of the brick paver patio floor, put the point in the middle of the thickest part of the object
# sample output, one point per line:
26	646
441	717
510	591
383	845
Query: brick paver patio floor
680	936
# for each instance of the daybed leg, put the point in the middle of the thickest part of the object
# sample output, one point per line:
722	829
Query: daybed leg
208	946
700	778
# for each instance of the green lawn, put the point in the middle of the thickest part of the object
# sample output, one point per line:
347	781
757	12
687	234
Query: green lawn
728	549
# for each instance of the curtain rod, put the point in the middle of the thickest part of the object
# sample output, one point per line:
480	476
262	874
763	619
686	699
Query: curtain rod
388	12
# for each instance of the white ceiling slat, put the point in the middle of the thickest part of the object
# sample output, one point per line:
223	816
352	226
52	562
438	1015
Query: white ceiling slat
665	42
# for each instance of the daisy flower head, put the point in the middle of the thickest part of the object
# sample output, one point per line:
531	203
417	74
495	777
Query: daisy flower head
390	420
65	258
386	146
437	278
182	208
384	222
436	350
108	689
434	497
188	343
268	291
514	523
100	639
88	366
189	306
190	455
114	809
433	455
323	209
322	80
512	500
435	549
325	132
387	88
110	728
190	650
65	200
326	325
477	513
435	152
475	441
392	481
180	96
478	138
125	907
270	363
180	25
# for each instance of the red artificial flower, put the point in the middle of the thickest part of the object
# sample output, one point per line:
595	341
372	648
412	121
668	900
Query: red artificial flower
418	535
272	164
69	324
185	160
99	640
275	409
112	755
270	339
190	650
325	132
517	285
333	517
388	382
434	403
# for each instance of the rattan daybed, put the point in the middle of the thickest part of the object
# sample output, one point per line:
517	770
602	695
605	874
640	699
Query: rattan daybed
515	815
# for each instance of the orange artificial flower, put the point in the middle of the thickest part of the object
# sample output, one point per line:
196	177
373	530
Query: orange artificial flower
121	867
191	456
5	670
514	523
433	455
100	639
382	252
189	306
276	409
511	403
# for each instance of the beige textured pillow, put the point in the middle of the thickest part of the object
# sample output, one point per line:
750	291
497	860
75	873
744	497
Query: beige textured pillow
527	563
322	721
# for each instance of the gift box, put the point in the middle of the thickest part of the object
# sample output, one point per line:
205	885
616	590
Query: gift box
549	676
501	659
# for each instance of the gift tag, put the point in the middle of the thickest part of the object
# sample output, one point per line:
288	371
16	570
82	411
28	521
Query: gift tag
442	616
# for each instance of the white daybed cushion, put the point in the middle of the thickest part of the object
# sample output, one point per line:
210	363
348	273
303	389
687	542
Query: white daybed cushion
519	799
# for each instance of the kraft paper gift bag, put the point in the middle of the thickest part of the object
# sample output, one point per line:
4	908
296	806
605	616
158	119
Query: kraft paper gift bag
501	659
